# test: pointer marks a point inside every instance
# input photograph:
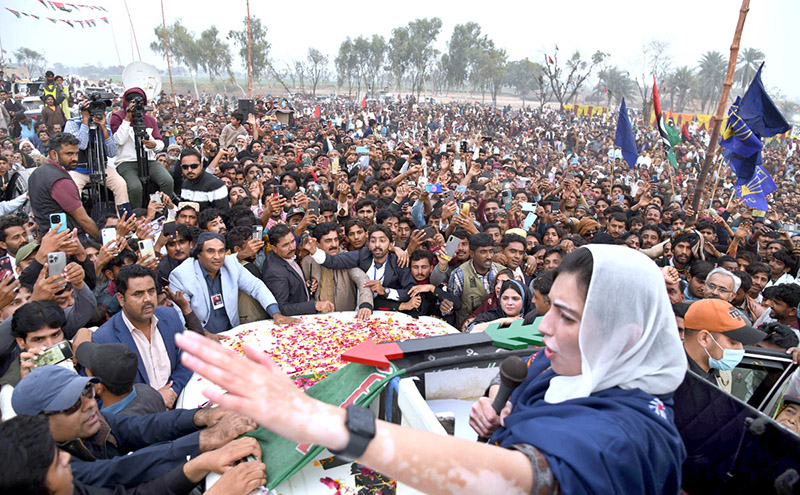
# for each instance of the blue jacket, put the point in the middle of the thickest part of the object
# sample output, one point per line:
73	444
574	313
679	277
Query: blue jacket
144	448
189	277
114	330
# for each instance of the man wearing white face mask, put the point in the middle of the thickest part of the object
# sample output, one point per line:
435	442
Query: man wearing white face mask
715	336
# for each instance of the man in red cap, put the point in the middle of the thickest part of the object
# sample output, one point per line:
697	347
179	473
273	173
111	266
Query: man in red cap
714	337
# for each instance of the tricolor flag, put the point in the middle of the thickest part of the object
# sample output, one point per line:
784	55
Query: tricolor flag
662	127
104	19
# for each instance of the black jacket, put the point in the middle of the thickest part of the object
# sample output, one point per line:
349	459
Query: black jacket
394	277
288	287
171	483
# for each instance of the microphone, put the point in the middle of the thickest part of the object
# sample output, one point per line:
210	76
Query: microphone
512	372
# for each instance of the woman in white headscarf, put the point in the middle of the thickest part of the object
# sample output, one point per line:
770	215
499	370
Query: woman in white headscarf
593	416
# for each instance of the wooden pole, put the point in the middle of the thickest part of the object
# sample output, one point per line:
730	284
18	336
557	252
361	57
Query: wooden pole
249	57
166	49
717	118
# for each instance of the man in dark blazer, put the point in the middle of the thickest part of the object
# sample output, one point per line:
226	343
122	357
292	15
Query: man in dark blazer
149	331
284	277
386	279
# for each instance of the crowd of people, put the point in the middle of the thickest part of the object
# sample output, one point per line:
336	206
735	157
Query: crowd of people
458	211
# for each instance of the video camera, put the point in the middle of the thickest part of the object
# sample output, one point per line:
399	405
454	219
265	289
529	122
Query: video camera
137	115
97	104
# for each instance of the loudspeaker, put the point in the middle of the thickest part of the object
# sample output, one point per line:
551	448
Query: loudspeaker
247	107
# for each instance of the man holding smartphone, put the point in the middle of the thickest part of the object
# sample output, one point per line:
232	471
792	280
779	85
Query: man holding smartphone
52	189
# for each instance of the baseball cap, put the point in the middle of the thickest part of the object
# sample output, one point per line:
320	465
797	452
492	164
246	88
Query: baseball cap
25	251
716	315
114	364
790	399
49	388
294	211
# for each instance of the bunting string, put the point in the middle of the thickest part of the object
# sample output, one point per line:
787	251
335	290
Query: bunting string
84	23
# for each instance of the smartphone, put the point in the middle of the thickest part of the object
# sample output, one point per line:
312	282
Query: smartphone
430	231
170	229
155	197
258	232
5	268
277	189
362	149
506	195
55	354
449	196
108	234
146	249
620	198
335	165
364	162
463	146
554	207
306	162
528	206
759	213
461	188
313	207
529	221
56	263
465	208
433	188
451	246
56	218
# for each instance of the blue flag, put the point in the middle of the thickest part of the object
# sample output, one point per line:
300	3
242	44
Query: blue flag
738	137
744	168
754	192
759	111
624	138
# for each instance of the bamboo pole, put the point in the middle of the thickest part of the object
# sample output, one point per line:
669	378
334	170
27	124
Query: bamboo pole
249	58
717	118
166	49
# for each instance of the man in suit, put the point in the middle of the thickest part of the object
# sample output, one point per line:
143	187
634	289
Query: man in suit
386	279
211	282
344	288
149	331
284	277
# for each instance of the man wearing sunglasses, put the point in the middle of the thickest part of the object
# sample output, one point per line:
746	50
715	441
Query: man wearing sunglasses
199	186
108	449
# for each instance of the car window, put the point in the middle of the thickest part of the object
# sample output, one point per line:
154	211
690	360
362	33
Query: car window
753	379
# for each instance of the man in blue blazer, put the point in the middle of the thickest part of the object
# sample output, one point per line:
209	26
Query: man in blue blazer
387	279
149	331
211	282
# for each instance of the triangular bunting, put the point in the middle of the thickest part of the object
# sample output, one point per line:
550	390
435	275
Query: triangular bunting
43	3
14	12
52	20
104	19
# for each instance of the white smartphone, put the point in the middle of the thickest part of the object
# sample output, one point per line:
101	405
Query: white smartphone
451	246
56	263
528	206
109	234
529	221
146	249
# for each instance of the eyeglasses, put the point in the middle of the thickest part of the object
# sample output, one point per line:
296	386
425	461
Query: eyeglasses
189	166
88	392
716	288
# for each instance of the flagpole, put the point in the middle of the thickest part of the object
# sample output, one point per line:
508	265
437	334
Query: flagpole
166	49
133	30
717	118
249	58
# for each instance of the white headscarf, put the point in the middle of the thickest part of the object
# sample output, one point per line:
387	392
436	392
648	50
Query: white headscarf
628	335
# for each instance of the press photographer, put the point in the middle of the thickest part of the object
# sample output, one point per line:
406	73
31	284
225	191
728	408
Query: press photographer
92	159
123	124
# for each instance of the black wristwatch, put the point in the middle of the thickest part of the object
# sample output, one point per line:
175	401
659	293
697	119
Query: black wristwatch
361	426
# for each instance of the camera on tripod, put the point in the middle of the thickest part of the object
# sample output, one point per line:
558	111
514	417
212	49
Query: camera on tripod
97	104
137	115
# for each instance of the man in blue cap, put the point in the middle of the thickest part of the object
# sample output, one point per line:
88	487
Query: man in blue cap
109	449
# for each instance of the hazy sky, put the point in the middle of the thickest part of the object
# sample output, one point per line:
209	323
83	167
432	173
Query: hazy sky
618	27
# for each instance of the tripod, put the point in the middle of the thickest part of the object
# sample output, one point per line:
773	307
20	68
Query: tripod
139	135
96	164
